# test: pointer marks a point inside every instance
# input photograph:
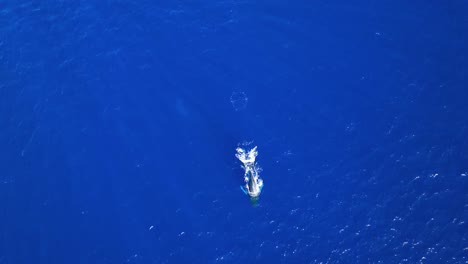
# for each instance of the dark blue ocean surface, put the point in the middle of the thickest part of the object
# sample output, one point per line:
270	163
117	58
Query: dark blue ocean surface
119	121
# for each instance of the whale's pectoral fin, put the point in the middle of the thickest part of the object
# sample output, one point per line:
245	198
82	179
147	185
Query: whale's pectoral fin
244	190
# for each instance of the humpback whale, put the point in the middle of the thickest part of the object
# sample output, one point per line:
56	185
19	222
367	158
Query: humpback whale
253	183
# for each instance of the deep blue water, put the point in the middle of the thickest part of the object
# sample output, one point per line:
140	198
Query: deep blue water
119	122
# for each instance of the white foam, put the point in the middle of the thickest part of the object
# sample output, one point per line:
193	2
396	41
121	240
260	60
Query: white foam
239	100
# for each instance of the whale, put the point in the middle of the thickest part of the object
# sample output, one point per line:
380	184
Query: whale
253	184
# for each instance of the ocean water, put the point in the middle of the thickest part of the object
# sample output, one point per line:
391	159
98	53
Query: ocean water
119	123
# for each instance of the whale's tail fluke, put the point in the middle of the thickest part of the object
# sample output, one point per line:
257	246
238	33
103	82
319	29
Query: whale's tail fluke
247	158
